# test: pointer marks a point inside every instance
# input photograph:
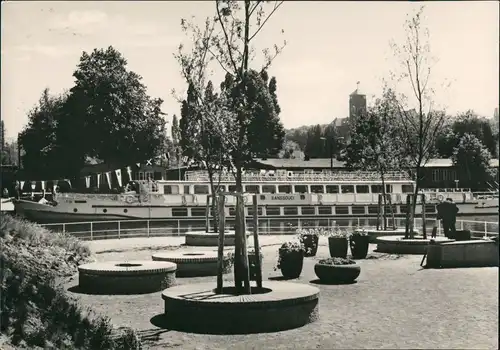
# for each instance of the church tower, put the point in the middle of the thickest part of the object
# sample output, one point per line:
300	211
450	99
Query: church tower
357	102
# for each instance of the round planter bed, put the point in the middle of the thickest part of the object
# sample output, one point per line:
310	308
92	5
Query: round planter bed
337	273
374	234
399	245
192	264
275	307
209	239
131	277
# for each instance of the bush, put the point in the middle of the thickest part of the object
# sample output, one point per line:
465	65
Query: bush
35	309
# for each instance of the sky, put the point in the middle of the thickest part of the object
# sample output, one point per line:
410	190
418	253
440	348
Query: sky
330	46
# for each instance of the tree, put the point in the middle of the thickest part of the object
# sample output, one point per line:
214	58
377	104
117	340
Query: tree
376	144
176	140
315	145
291	150
199	141
111	104
472	159
468	122
244	97
42	157
420	125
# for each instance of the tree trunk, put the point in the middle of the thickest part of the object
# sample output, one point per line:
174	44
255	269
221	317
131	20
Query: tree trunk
414	203
384	201
214	201
241	273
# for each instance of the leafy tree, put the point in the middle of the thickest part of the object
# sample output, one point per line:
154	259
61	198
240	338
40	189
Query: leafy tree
244	96
111	104
316	145
42	156
199	140
376	144
291	150
176	140
468	122
472	160
421	125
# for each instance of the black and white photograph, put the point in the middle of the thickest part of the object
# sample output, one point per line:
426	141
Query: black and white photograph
226	174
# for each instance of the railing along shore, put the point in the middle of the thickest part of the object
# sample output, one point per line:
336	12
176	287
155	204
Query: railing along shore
97	230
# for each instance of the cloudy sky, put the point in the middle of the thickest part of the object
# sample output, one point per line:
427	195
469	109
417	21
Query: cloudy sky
330	46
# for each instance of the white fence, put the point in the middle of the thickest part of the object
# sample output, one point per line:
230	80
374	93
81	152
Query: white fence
170	227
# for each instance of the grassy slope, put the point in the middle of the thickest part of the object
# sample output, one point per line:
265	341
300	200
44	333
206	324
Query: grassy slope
36	310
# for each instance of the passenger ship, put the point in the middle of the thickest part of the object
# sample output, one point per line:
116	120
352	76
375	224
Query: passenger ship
284	194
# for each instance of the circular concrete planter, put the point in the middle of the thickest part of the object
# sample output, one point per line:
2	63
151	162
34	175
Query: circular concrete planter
374	234
192	264
399	245
131	277
277	306
337	273
210	239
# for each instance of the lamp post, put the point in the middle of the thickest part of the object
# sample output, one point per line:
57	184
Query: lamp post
456	184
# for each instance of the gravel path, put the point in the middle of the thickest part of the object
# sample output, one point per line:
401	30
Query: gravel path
395	304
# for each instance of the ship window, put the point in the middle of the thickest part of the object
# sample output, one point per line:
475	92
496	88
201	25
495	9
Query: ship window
300	189
316	188
232	211
307	210
268	189
388	188
291	211
332	189
125	210
200	189
75	210
376	188
325	210
187	189
430	208
250	211
342	210
284	189
372	209
347	188
198	212
252	189
157	175
407	188
179	212
105	210
273	211
171	189
362	189
232	188
358	209
221	188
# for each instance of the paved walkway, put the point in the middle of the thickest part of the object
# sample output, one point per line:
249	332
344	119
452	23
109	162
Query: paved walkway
394	305
154	243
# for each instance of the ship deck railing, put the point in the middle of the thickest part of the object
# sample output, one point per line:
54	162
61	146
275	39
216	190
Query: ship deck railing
202	176
97	230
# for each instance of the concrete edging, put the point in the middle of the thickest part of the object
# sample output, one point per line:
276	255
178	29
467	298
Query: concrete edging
282	306
114	278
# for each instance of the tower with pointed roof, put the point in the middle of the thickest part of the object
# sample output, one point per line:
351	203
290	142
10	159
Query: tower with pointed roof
357	102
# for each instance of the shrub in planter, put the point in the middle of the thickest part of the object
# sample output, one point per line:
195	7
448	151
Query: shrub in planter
359	243
337	270
309	238
338	242
291	259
